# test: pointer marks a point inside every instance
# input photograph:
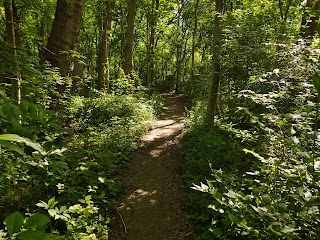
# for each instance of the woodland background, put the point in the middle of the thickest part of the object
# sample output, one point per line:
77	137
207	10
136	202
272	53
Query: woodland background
79	84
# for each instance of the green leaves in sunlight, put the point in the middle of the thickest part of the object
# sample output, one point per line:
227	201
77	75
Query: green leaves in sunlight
14	222
30	228
6	139
316	82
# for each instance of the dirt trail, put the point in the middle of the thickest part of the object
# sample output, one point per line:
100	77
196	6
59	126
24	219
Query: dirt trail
151	207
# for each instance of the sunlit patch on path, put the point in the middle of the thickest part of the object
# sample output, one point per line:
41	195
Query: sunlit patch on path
151	207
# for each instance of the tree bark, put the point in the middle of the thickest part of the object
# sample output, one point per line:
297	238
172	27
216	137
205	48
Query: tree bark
42	33
129	38
16	20
280	4
64	37
11	40
103	65
194	32
309	23
151	47
178	51
213	97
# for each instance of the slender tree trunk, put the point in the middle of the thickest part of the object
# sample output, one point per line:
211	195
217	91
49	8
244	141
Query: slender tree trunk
129	38
42	33
64	37
286	14
309	23
194	32
11	40
152	45
178	53
213	97
16	20
103	65
148	49
280	4
178	69
184	52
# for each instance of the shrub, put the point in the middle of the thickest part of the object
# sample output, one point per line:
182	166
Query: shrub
271	190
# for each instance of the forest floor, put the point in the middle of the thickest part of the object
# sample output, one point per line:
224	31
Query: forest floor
152	206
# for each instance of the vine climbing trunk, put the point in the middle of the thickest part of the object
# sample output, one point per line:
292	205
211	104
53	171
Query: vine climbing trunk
213	97
11	40
104	47
129	38
64	37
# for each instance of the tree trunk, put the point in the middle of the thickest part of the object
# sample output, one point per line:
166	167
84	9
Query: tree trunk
16	20
42	33
129	38
178	70
309	23
64	37
280	4
194	32
178	52
213	97
151	48
104	48
11	40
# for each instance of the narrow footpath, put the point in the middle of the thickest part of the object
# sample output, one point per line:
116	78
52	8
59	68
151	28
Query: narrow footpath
152	206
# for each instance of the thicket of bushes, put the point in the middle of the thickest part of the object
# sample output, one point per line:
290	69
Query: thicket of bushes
258	166
64	184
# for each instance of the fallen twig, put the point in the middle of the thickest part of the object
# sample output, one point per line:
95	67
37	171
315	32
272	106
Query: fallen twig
124	224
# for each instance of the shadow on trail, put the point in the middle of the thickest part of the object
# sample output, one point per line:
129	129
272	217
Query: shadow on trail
152	206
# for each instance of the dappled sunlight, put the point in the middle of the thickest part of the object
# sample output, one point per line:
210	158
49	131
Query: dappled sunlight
158	150
138	196
163	129
150	208
163	123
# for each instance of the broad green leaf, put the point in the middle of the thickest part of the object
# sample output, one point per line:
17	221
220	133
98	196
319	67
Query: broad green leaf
11	110
14	222
316	82
217	232
35	235
232	194
2	114
233	218
275	228
255	208
12	147
17	138
288	229
52	212
24	107
52	202
59	166
102	179
42	204
15	123
34	112
37	220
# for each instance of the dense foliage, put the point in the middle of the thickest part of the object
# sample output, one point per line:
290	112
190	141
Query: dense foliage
71	111
81	165
258	165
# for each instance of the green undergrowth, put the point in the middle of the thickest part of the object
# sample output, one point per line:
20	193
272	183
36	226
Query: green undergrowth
67	190
256	172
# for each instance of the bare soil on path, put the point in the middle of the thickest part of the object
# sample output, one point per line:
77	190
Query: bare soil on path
152	205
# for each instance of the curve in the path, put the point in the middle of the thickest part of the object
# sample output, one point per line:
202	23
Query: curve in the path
152	206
